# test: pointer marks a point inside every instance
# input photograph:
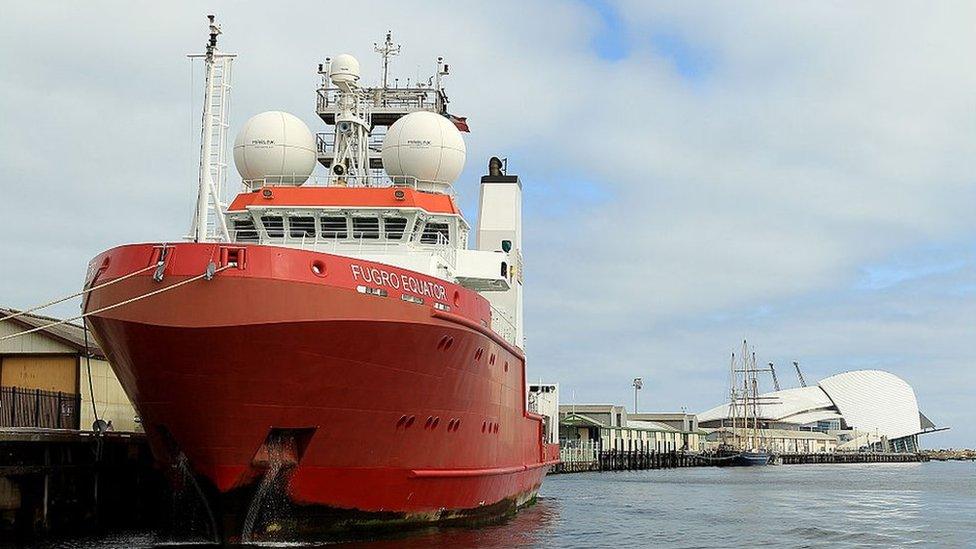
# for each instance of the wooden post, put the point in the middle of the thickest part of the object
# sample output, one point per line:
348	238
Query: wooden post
47	481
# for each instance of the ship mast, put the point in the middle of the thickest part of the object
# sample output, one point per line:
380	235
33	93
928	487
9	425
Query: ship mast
386	51
208	218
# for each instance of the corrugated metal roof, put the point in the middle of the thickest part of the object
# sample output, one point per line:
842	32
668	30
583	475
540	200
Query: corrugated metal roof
72	335
780	405
650	425
873	400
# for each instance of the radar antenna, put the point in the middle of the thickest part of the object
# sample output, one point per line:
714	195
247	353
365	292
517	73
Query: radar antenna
208	218
386	51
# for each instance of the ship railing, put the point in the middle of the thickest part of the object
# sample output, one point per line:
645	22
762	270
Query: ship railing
314	242
579	451
375	178
325	142
391	99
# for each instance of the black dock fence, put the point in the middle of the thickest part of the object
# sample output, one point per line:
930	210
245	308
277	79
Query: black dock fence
36	408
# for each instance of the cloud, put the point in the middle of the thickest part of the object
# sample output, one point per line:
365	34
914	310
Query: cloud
694	173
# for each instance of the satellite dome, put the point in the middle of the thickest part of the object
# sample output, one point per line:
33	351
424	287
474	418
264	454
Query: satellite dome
426	146
344	69
274	148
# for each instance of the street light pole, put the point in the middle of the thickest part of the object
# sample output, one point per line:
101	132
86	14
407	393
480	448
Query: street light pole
638	385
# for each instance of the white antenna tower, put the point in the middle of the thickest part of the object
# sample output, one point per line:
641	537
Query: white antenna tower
208	218
352	122
386	51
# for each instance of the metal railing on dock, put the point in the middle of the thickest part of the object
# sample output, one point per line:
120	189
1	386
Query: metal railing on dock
36	408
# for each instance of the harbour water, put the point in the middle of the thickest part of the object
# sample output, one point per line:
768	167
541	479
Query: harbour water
870	505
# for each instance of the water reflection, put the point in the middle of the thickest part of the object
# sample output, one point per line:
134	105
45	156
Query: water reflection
875	505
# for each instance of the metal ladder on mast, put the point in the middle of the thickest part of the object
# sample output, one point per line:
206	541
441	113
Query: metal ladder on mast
219	92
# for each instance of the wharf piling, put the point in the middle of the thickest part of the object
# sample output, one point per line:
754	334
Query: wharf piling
55	481
622	460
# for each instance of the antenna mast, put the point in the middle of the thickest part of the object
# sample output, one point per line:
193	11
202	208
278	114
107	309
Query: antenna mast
386	51
208	218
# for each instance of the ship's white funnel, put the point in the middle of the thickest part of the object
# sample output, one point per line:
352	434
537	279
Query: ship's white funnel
500	229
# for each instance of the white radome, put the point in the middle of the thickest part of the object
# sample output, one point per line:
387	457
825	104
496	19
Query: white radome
426	146
274	148
344	69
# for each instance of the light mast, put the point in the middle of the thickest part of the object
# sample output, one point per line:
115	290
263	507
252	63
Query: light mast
208	219
387	50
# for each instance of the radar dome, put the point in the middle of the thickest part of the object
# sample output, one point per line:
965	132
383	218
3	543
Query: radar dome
344	69
426	146
274	148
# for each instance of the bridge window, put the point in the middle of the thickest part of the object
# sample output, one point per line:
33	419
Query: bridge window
301	227
366	228
436	233
395	227
274	225
244	230
334	227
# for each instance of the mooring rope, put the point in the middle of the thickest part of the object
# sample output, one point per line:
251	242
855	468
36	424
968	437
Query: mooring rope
209	273
74	295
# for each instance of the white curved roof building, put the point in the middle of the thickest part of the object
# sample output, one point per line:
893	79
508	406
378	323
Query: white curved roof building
871	401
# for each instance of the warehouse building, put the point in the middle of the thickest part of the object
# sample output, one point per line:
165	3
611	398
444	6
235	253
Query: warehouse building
45	381
777	441
610	427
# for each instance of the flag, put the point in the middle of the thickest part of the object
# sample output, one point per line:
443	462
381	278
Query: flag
460	121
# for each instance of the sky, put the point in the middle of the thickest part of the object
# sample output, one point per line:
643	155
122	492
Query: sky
798	174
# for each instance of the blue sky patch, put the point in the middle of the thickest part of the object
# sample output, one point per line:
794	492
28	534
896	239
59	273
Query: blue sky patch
690	61
610	41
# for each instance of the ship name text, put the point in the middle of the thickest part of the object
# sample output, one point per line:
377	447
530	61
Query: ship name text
381	277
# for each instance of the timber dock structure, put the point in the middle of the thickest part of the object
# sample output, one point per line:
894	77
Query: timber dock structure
622	460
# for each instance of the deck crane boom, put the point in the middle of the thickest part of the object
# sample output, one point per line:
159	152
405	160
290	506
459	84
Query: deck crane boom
799	374
772	370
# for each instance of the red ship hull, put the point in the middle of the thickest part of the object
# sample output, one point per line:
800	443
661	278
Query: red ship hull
372	408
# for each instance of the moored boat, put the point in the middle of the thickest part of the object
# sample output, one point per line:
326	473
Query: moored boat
326	353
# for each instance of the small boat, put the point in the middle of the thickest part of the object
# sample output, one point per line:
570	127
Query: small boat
751	459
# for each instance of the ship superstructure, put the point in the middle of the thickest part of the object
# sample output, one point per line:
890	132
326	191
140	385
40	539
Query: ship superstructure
338	344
